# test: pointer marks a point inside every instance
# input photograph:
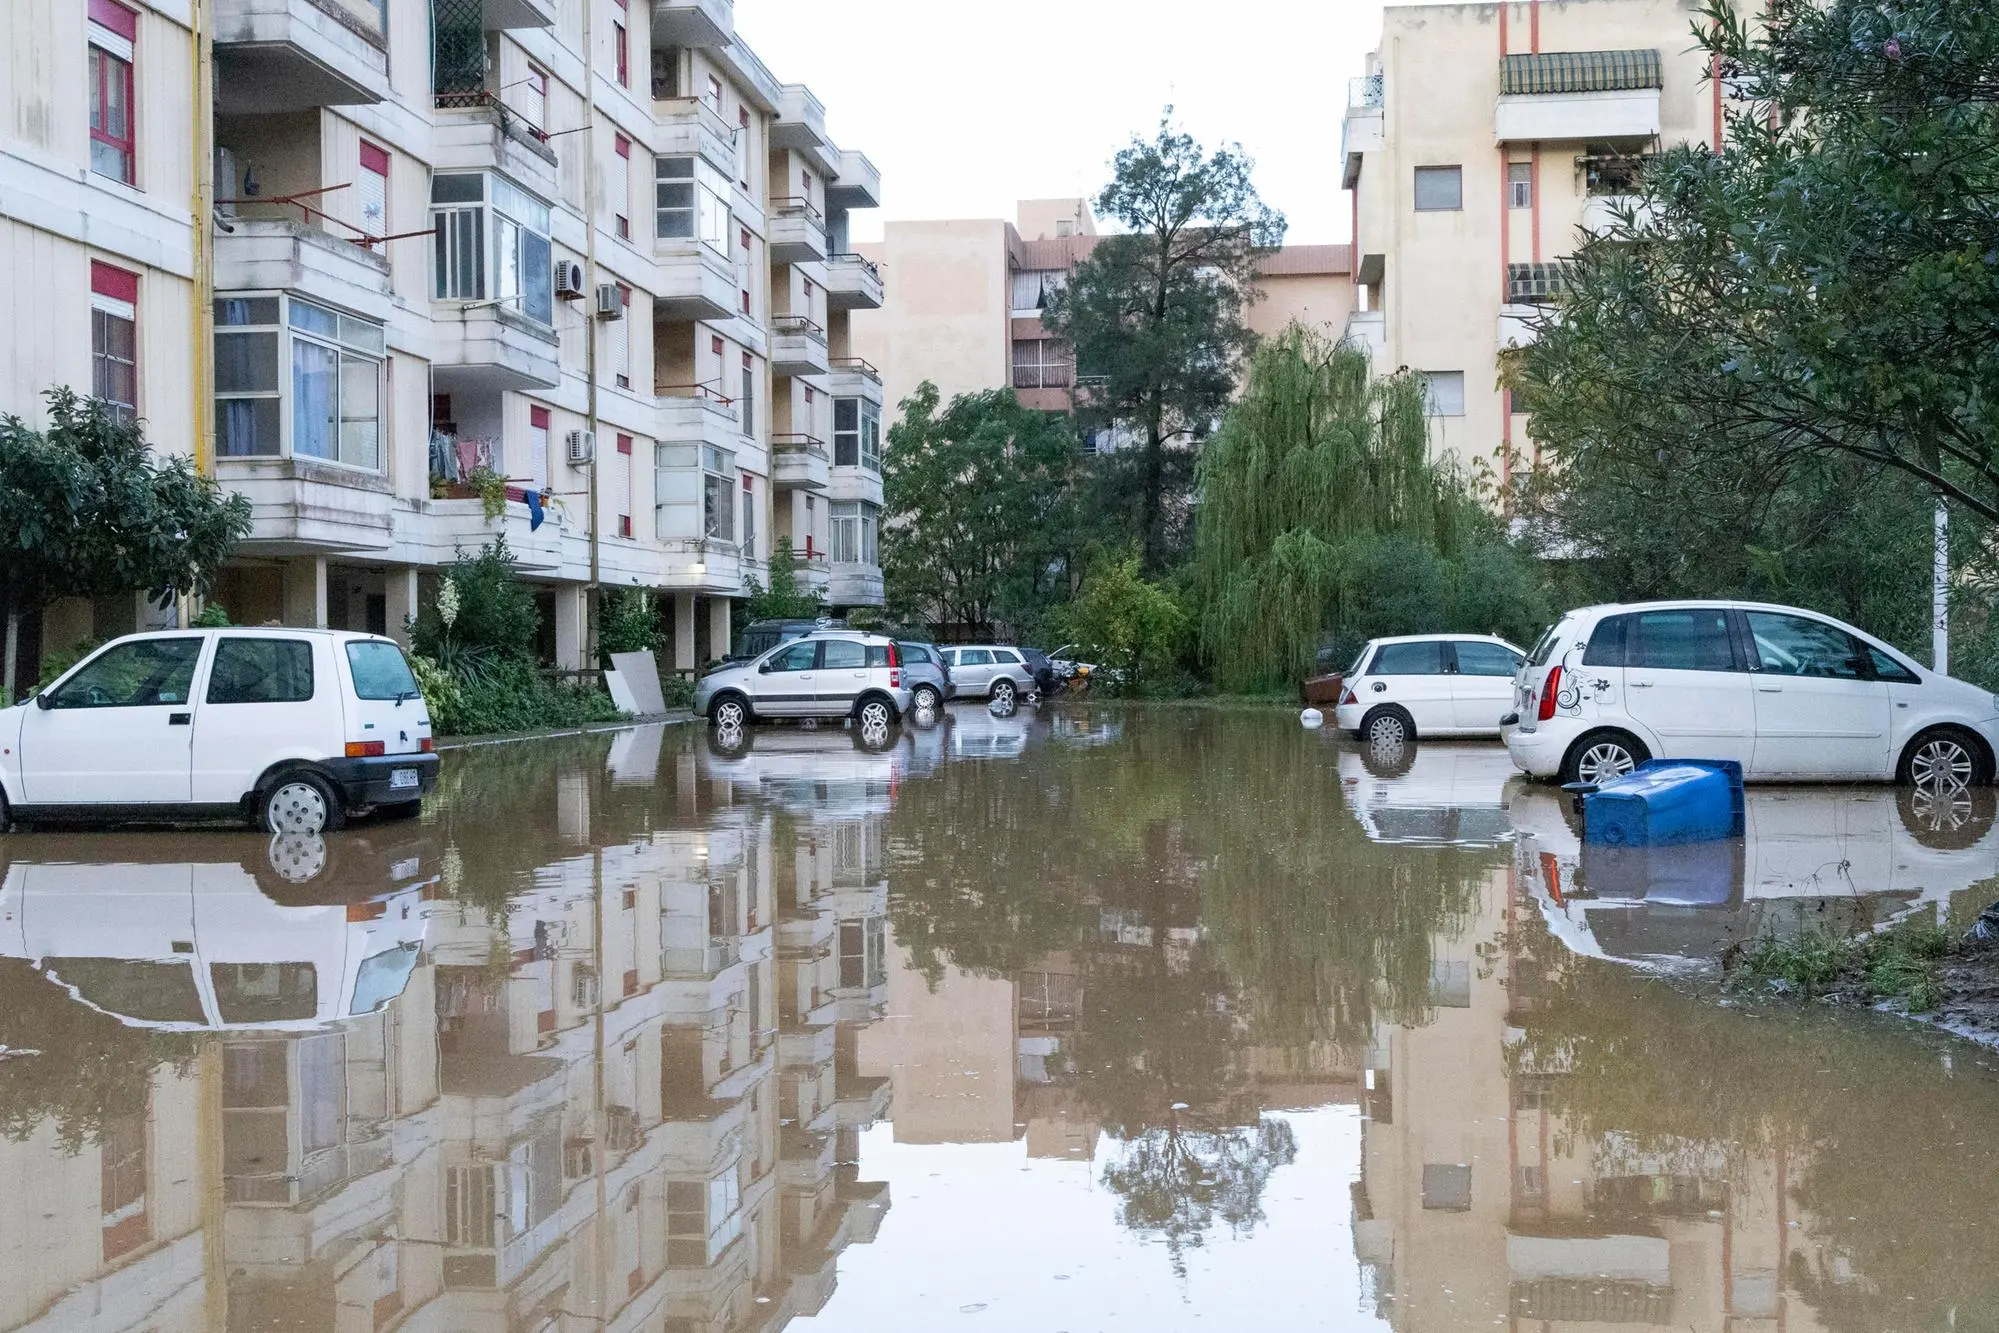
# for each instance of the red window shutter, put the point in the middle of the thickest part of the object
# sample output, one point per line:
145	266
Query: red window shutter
744	238
624	54
622	145
808	395
375	159
115	283
110	14
538	418
624	444
715	345
625	530
748	485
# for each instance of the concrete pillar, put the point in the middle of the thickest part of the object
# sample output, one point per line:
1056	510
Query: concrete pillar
683	631
572	609
305	592
399	601
718	626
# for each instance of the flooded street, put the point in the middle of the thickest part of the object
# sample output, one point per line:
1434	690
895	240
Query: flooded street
1073	1020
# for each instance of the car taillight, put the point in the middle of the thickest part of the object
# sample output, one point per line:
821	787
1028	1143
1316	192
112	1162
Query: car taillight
1347	700
1549	689
366	911
426	745
365	749
894	656
894	679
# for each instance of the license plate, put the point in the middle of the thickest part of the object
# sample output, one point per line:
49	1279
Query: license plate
400	778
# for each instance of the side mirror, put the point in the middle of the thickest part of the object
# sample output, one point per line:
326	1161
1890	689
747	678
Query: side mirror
763	669
44	702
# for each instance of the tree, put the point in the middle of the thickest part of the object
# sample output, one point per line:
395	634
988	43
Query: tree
1134	629
88	510
783	599
1825	285
1324	516
976	498
1156	317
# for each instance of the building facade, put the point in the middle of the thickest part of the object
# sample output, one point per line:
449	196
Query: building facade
1484	141
416	274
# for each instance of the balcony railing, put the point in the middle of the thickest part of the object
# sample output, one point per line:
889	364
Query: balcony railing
1365	91
1535	284
797	326
793	444
1056	375
793	205
706	393
854	365
861	262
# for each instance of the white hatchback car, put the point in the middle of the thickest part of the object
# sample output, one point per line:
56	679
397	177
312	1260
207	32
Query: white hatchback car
1428	685
293	728
1790	695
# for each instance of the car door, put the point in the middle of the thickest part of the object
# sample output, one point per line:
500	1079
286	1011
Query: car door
973	671
1414	674
263	697
1682	682
1482	686
843	674
1821	712
786	681
119	730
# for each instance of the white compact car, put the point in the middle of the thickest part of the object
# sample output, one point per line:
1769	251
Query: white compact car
1791	695
294	728
827	674
1428	685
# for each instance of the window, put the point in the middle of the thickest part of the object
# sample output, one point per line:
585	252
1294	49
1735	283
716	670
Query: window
1032	288
1520	185
714	97
534	97
618	340
623	42
265	993
538	420
1606	643
1424	657
1486	659
802	656
146	673
871	436
974	657
625	445
843	655
260	671
380	671
336	363
691	202
1006	657
749	517
1691	640
1444	392
113	30
846	432
1447	1187
621	187
492	244
846	532
1040	363
114	339
1796	646
1890	669
748	397
743	155
718	484
371	188
1439	189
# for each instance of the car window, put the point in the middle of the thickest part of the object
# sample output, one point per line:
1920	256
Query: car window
914	653
1695	639
1606	642
265	992
1007	656
878	656
1545	649
262	671
1425	657
801	656
974	657
1889	669
380	671
1486	659
152	992
842	655
141	674
1798	646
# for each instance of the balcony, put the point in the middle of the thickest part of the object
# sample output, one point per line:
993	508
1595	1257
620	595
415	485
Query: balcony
697	414
1602	96
854	585
501	14
799	462
1600	212
797	231
812	571
446	527
695	281
852	283
482	346
1368	330
478	132
1362	130
1535	284
300	506
801	120
1518	324
693	22
690	127
276	255
288	55
856	184
798	346
851	377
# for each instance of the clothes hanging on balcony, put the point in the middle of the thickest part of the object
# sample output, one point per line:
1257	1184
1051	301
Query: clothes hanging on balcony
533	498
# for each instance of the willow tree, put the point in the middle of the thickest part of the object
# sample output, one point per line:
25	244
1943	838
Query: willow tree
1324	517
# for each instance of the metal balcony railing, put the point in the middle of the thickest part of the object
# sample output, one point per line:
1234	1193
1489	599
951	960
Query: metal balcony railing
797	326
856	366
794	444
1535	284
792	206
1365	91
861	262
1053	375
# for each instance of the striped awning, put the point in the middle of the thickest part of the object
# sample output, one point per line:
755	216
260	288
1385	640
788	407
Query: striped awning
1579	72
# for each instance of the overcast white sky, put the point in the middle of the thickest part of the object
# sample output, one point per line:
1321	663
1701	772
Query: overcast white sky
968	105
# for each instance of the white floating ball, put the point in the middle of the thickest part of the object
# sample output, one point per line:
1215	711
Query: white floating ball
1312	717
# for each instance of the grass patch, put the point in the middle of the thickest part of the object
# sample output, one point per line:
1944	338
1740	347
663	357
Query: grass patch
1903	963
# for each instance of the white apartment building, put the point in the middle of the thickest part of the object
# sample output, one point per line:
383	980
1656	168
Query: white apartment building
363	259
1482	143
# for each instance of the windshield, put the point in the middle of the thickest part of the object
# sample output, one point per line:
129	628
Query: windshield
1359	657
380	670
382	978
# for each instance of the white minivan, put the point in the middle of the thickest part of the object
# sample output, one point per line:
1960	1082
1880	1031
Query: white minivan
294	729
1789	694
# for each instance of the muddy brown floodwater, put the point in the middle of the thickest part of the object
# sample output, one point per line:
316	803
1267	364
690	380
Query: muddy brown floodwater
1078	1020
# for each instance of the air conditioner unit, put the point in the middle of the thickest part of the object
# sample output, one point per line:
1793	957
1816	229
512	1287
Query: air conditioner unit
568	279
582	446
609	306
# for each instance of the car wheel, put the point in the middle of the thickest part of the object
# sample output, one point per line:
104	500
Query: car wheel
300	802
1944	757
926	699
1601	756
874	714
1004	692
729	711
1387	726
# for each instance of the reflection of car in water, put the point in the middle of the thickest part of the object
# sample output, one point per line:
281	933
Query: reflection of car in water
1000	731
1428	794
193	945
1840	858
835	771
1080	727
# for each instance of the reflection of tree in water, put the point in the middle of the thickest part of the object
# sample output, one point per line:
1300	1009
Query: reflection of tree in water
1179	1180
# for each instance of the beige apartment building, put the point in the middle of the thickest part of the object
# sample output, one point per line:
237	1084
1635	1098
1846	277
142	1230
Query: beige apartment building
1482	142
963	301
363	259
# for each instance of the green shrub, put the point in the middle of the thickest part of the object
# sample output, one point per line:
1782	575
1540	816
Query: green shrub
213	616
628	623
678	689
511	695
1133	628
482	612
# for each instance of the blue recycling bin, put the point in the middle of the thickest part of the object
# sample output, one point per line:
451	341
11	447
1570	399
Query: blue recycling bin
1666	801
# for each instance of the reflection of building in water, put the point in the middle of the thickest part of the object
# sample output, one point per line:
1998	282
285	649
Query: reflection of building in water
626	1095
1477	1205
